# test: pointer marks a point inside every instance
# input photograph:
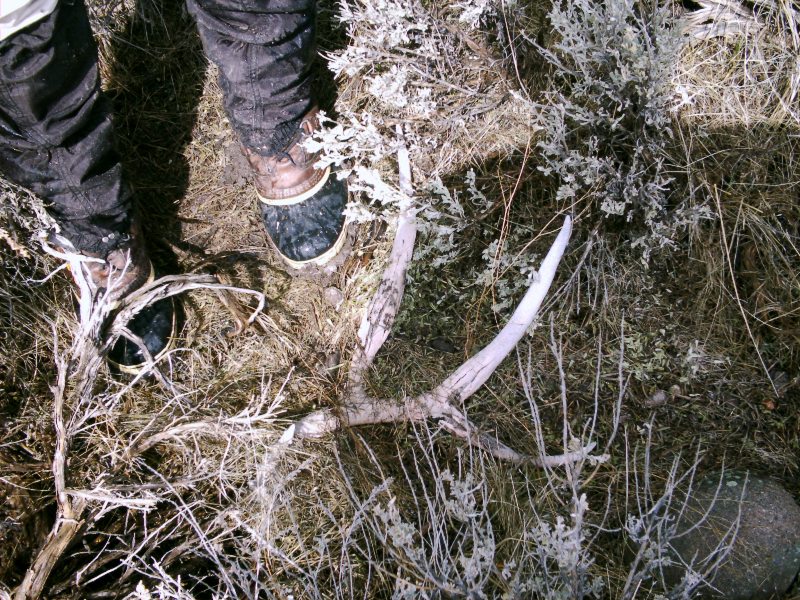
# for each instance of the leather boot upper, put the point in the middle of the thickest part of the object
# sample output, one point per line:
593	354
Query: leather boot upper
291	173
123	270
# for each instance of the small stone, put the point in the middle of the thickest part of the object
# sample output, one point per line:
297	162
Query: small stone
442	344
326	363
333	360
780	381
765	556
236	170
334	297
657	399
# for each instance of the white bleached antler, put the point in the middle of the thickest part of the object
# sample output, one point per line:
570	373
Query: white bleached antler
445	400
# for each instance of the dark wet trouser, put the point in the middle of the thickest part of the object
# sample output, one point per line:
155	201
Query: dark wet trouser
56	136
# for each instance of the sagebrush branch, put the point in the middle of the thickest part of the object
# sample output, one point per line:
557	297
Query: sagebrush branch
73	388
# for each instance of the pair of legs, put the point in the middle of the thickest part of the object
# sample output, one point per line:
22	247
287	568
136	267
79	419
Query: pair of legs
56	134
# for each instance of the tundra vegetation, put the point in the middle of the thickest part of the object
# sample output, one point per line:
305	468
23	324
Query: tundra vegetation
289	446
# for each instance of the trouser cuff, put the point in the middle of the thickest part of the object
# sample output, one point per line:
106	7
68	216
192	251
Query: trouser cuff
56	136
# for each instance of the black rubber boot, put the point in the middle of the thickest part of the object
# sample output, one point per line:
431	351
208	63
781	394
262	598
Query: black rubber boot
311	231
265	50
126	270
116	276
302	206
156	326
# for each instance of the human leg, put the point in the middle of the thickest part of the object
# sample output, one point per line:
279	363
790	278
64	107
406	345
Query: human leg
56	139
56	135
265	50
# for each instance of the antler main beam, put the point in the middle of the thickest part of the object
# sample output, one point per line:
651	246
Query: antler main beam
445	400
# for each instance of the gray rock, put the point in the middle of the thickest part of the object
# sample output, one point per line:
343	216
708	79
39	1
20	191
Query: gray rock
765	557
333	296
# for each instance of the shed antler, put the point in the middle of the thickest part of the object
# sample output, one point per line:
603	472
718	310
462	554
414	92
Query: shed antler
444	401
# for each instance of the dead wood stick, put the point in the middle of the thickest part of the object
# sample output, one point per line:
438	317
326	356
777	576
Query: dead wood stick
58	540
380	315
358	408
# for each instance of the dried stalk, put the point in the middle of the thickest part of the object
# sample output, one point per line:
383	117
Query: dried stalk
172	285
84	359
69	515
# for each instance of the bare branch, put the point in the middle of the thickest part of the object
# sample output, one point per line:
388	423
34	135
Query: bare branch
474	373
379	318
172	285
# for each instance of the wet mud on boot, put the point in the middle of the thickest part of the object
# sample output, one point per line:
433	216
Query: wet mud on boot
302	207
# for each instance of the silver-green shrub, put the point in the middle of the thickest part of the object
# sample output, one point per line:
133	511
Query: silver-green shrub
607	121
